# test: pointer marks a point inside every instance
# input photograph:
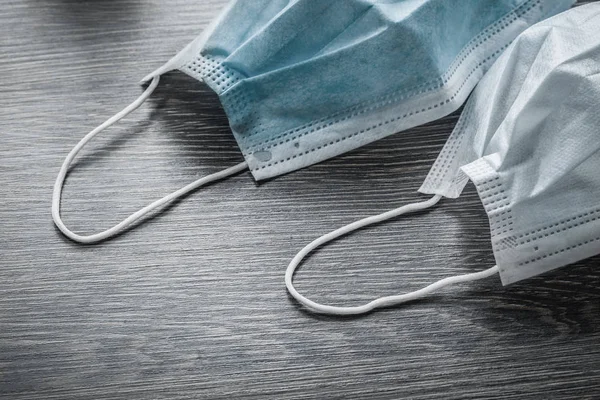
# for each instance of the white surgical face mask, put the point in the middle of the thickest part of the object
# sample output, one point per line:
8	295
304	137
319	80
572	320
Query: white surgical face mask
529	141
302	81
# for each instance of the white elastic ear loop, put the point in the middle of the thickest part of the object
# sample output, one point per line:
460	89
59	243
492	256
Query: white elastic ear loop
382	301
120	227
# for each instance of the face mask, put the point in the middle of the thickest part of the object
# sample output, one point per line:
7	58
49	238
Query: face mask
528	140
302	81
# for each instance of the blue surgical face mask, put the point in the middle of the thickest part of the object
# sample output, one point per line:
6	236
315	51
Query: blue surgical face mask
302	81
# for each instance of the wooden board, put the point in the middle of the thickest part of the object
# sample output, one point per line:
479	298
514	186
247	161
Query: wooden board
191	303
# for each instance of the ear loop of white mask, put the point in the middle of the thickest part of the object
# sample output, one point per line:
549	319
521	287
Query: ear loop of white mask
382	301
122	226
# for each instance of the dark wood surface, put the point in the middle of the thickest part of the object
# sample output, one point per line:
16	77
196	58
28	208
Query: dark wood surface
192	304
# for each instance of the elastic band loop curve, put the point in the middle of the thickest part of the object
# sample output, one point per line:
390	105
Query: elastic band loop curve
382	301
122	226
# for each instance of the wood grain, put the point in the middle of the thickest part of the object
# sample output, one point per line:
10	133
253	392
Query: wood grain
191	304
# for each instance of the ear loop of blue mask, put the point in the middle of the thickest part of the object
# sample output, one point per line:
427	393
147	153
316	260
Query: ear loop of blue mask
122	226
382	301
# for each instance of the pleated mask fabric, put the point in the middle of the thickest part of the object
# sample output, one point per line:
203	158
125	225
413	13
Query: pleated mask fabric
305	80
